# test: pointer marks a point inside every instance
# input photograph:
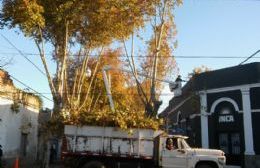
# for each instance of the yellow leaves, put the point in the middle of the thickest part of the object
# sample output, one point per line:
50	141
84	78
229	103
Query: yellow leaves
179	2
129	109
25	14
114	10
97	22
198	70
201	69
123	119
92	22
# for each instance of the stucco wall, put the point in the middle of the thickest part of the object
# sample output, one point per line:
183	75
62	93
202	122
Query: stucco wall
13	124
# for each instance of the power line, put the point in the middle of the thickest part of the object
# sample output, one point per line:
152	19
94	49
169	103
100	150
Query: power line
176	56
251	56
105	94
36	92
21	53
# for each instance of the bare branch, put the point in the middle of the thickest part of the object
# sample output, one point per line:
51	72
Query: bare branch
133	69
62	81
92	78
93	95
5	63
82	75
94	106
158	47
42	55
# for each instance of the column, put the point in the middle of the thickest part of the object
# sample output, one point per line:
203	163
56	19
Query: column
204	120
247	118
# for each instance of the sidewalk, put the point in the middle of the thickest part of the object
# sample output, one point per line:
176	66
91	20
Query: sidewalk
50	166
230	166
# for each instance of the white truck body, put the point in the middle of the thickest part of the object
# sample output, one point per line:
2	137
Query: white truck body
143	146
110	141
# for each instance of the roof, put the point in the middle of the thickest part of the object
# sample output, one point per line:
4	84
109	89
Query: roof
9	91
226	77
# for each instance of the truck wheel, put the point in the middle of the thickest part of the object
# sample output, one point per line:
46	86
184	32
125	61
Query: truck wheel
94	164
204	166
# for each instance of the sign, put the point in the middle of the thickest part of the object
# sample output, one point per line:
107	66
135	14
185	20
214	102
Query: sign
226	119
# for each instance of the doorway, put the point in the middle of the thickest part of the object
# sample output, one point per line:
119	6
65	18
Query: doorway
24	139
230	143
226	131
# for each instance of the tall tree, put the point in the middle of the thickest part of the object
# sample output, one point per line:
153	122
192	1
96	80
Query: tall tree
88	26
85	23
67	25
159	60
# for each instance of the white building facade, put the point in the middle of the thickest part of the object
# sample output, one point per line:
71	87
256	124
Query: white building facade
18	122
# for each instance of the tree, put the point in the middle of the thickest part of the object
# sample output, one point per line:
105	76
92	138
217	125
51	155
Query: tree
198	70
159	61
91	25
68	25
129	112
87	27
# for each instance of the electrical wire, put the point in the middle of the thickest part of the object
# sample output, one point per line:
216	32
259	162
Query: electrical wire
35	92
176	56
105	94
21	53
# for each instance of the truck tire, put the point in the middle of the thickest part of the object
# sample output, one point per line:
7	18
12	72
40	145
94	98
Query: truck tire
204	166
94	164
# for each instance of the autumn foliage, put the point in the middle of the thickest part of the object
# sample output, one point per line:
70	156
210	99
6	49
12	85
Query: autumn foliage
80	33
130	112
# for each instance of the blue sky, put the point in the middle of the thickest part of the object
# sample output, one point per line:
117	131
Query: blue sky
205	28
216	28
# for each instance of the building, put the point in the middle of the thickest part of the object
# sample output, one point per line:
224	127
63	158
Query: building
18	121
221	109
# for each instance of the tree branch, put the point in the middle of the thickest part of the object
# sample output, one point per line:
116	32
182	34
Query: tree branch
92	79
82	76
42	55
158	47
63	64
133	69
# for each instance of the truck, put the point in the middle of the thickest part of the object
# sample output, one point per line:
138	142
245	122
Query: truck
112	147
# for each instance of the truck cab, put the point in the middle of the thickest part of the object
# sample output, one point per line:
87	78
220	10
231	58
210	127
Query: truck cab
174	152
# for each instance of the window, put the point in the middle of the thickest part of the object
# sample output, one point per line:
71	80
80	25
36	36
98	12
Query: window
171	143
235	143
223	142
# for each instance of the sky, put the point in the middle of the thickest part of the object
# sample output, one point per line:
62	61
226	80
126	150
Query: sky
206	28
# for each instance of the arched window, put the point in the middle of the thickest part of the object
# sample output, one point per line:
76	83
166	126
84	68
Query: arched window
223	99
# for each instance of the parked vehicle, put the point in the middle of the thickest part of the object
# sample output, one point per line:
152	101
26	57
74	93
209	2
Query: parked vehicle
110	147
